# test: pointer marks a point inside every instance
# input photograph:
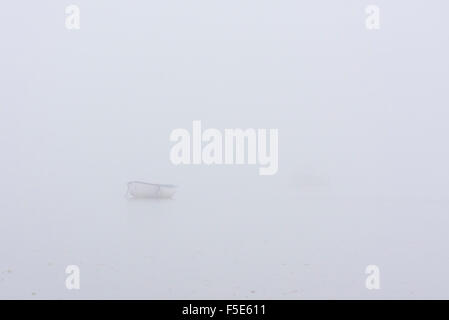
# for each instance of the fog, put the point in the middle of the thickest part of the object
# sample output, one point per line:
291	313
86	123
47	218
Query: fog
362	119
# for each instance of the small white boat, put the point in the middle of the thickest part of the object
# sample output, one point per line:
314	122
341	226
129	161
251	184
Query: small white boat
139	189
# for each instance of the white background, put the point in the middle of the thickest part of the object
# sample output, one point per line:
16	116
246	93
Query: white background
363	162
